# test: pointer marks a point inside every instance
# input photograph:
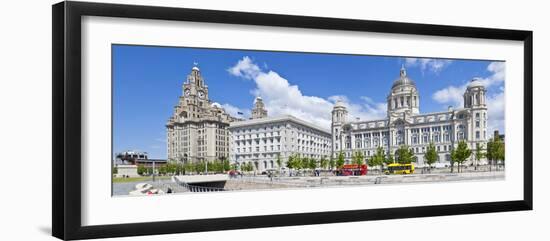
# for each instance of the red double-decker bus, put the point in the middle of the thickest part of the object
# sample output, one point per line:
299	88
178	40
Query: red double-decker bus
353	170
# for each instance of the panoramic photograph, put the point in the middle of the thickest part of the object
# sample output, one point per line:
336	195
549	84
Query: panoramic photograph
189	120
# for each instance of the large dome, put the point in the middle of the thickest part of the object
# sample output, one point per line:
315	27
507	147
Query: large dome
403	79
476	82
339	103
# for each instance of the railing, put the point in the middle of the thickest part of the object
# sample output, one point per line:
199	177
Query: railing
195	188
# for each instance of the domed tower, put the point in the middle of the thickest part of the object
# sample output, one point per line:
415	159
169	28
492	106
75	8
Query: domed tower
259	110
474	96
195	86
474	99
403	96
339	116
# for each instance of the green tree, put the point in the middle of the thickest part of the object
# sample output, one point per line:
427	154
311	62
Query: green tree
304	163
279	162
247	167
378	159
340	161
290	162
171	168
141	170
498	151
479	154
115	170
431	155
461	154
294	162
358	158
404	155
189	167
200	167
331	163
489	154
324	163
162	170
312	163
390	159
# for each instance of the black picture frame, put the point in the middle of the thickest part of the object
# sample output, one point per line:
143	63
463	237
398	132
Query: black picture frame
66	75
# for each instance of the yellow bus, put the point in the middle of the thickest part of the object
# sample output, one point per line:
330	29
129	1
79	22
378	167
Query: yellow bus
396	168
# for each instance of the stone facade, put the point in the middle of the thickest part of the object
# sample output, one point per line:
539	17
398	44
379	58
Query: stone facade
259	110
405	125
261	141
197	130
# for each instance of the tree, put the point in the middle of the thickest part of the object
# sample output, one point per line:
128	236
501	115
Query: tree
431	155
490	153
189	167
378	159
247	167
293	162
324	163
358	158
404	155
502	152
312	163
331	163
279	161
170	168
479	154
390	158
498	150
304	163
340	161
200	167
141	170
461	153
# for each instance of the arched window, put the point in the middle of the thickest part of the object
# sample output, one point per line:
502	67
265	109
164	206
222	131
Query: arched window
415	139
460	135
436	137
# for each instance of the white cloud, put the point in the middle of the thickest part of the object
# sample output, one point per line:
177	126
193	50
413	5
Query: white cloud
453	95
245	68
495	113
282	98
234	111
433	65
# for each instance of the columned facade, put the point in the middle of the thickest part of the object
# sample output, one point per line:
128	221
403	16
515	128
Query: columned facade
405	125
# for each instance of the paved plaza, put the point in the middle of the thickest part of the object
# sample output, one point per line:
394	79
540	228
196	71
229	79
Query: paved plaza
263	182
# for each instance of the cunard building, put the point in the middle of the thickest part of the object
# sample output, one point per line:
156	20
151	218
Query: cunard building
262	140
197	131
405	125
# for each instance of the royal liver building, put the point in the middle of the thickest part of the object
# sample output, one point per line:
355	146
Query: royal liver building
197	130
405	125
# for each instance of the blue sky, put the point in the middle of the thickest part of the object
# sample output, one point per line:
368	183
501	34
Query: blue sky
147	82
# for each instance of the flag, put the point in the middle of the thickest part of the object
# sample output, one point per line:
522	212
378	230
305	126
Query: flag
239	113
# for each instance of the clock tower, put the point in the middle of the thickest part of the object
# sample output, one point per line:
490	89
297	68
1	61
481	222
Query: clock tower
195	88
197	130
